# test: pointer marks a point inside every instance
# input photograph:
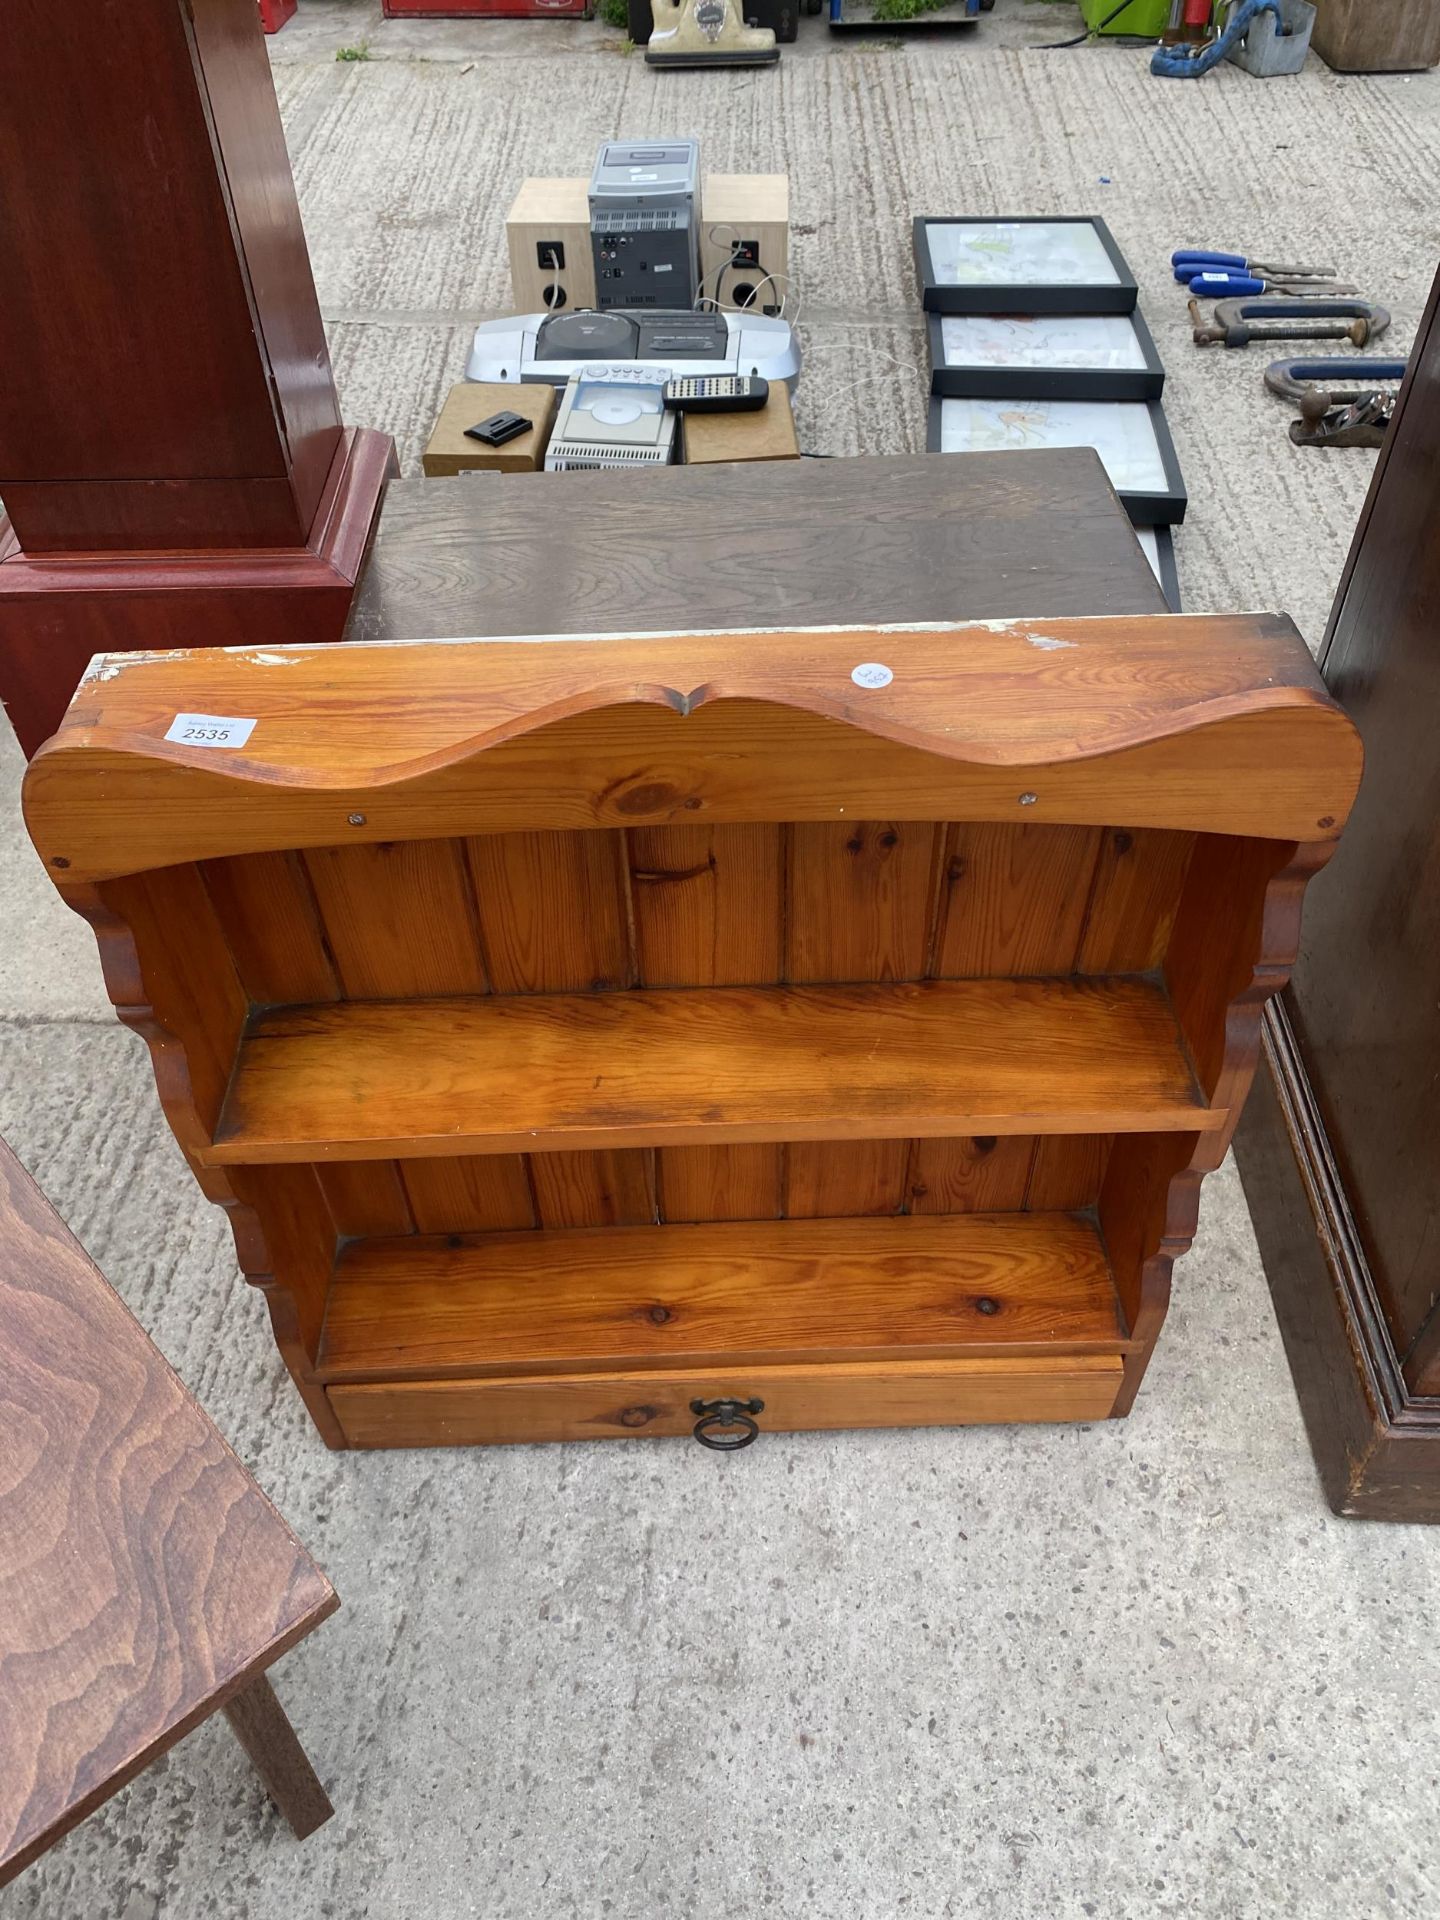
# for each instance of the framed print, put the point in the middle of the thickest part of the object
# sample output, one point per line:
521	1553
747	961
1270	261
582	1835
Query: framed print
1021	266
1060	356
1130	436
1158	546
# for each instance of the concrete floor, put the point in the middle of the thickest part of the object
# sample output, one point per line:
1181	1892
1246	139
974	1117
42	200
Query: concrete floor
1018	1674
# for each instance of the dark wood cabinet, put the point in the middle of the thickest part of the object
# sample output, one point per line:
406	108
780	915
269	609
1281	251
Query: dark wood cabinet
1340	1149
170	440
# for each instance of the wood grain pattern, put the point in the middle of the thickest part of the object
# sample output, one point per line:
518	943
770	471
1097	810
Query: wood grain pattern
709	905
1149	1205
603	1189
286	1240
721	1183
144	1577
825	1178
859	901
399	919
182	994
955	1393
267	912
827	542
709	910
367	1197
1067	1172
469	1196
1138	882
859	905
1093	718
1232	946
552	911
716	1066
988	1175
1013	899
730	1291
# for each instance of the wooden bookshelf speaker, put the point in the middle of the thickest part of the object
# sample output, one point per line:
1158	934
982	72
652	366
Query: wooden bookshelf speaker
730	1033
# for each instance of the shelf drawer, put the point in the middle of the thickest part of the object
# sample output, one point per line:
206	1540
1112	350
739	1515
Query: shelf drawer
437	1413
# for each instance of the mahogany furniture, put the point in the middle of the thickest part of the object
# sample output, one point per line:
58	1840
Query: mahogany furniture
145	1580
1339	1151
818	1027
172	458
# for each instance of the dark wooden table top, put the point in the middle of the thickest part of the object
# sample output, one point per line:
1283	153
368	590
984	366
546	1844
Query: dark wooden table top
849	542
144	1577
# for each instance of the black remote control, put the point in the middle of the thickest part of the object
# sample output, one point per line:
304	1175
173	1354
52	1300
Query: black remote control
716	393
499	428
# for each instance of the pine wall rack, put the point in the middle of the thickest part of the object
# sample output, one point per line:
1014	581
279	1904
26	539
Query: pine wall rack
830	1026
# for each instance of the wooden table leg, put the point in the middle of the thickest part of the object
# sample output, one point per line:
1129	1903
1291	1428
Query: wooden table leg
263	1728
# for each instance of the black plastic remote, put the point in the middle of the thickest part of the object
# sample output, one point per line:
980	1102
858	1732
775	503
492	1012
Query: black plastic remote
716	393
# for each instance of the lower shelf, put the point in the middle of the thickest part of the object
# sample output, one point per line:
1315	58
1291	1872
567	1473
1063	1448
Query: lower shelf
895	1321
460	1413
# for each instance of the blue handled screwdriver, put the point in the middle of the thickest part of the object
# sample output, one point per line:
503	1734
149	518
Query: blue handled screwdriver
1219	285
1189	260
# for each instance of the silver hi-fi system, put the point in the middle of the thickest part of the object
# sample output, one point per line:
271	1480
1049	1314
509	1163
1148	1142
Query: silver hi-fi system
645	223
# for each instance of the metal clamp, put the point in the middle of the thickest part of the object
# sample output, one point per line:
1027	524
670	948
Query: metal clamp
726	1425
1237	322
1315	386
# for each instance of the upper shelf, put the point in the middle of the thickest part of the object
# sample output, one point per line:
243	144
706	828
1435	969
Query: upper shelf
1219	723
372	1079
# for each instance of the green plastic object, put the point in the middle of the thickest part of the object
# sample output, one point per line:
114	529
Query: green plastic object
1146	17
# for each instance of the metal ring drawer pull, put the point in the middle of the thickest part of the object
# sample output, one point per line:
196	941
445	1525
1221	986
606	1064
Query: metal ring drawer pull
726	1425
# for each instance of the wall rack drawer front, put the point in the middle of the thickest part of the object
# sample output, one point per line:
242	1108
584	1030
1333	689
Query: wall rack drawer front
434	1413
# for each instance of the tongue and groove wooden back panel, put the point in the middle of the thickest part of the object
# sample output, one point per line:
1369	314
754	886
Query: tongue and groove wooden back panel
1103	826
725	906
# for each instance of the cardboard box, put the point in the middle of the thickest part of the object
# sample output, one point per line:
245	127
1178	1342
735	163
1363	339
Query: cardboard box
449	451
766	434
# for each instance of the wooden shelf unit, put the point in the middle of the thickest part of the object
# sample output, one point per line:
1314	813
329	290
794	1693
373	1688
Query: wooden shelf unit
577	1029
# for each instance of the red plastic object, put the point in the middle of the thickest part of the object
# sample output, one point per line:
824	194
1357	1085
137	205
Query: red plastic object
485	9
274	14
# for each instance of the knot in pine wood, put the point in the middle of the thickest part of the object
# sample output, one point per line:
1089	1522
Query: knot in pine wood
647	797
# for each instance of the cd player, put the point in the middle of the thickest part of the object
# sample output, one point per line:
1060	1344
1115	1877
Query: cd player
646	347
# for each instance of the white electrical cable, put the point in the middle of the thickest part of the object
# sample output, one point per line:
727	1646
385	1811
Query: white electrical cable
713	303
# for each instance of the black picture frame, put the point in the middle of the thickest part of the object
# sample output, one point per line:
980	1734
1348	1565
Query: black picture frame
1169	573
1146	382
936	296
1146	507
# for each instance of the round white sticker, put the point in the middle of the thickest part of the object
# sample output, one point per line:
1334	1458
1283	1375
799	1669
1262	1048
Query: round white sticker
870	673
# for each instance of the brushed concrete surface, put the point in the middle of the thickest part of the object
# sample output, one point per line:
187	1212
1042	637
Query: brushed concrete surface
1017	1674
